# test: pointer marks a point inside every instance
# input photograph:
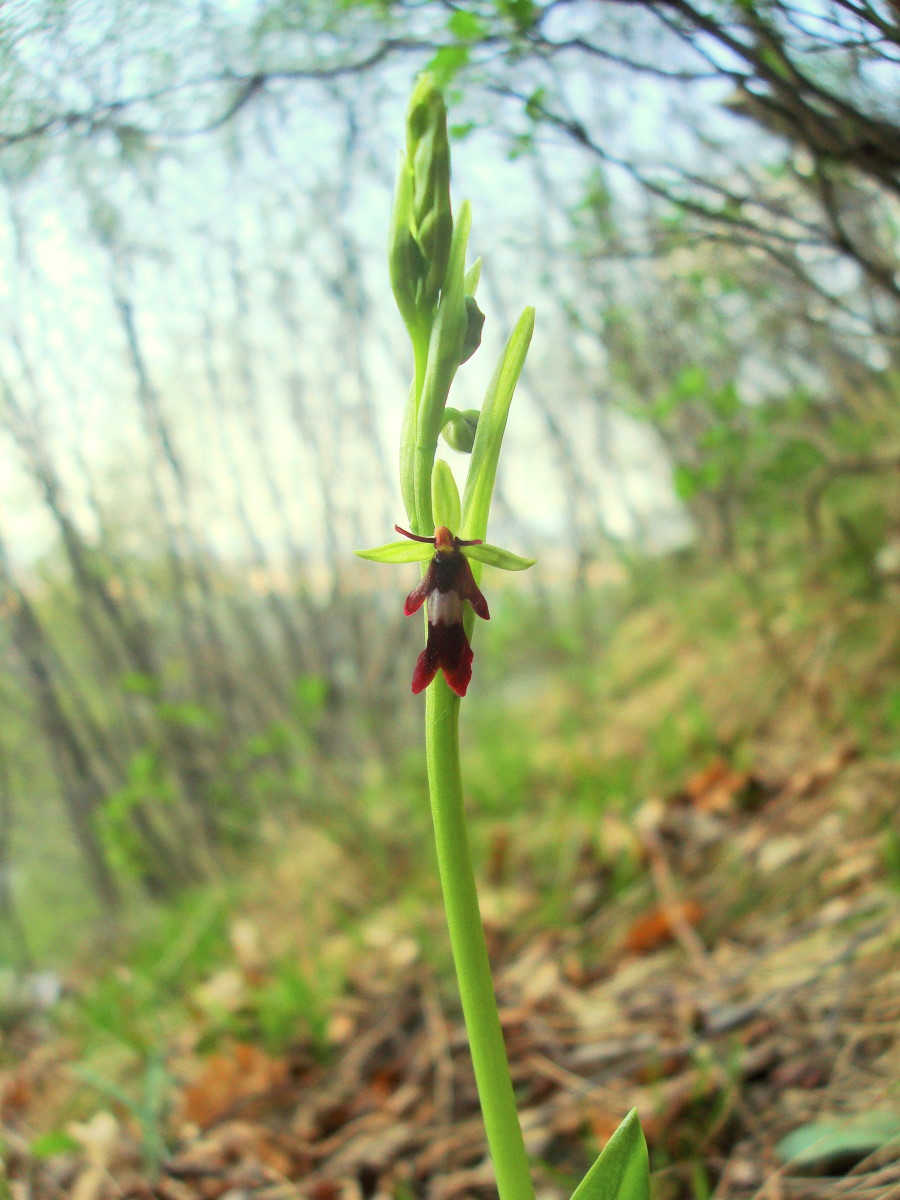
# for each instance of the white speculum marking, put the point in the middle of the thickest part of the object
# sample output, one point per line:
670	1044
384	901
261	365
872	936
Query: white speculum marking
444	608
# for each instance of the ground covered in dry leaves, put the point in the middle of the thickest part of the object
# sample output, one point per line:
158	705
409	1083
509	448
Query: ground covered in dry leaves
746	987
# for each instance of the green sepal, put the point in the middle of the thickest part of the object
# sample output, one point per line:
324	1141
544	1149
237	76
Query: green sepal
491	426
470	283
494	556
398	552
622	1172
444	496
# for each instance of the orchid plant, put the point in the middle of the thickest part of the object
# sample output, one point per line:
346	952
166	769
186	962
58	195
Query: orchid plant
435	293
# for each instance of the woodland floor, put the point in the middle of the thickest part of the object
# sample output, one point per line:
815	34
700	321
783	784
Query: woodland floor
746	986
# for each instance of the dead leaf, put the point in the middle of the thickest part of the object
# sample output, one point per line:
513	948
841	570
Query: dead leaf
230	1082
659	926
715	788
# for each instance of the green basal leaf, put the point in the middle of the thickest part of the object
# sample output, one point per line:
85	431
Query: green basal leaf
491	425
622	1172
494	556
398	552
444	496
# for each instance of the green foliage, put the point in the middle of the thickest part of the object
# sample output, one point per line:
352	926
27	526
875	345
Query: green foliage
50	1144
146	1102
890	856
446	63
521	13
179	944
468	26
148	783
289	1006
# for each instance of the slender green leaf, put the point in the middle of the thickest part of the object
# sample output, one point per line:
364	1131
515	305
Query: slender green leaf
444	496
622	1172
494	556
491	426
398	552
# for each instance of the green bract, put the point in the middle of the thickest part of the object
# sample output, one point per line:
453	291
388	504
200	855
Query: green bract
444	496
491	426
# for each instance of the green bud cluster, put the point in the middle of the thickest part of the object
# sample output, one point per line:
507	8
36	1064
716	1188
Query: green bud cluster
422	220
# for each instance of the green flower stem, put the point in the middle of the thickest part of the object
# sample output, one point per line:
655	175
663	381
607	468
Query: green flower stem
498	1105
420	339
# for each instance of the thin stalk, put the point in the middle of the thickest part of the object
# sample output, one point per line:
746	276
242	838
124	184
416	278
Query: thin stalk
420	340
476	988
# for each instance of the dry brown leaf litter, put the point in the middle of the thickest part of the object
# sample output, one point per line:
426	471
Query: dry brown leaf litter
750	984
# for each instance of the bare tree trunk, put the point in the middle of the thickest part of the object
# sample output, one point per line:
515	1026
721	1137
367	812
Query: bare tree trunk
81	791
9	912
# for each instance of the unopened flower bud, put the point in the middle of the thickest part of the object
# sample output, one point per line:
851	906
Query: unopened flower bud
474	326
459	429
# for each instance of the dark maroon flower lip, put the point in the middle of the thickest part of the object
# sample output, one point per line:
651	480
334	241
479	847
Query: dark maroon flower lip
448	582
447	648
